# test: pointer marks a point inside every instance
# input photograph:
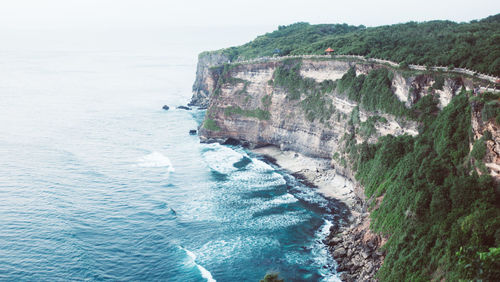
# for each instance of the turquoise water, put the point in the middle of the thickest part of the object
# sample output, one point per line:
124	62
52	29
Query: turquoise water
98	183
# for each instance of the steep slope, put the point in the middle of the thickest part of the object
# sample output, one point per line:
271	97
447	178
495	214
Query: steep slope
421	143
341	110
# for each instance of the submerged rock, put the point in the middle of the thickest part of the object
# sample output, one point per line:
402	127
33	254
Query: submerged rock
165	107
192	132
184	108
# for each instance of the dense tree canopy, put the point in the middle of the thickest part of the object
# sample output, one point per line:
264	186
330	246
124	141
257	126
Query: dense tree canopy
474	45
441	217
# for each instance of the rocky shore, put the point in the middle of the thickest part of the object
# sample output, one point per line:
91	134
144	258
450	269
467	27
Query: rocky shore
355	248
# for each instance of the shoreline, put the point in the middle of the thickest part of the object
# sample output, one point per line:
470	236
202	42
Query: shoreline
353	246
316	173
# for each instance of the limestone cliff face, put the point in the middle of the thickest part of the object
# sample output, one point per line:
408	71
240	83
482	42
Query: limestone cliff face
204	83
245	105
234	106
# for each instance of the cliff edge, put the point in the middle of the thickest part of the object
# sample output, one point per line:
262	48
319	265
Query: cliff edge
322	107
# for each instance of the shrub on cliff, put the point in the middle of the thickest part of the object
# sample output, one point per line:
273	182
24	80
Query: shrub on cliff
434	203
373	91
479	149
287	76
272	277
210	125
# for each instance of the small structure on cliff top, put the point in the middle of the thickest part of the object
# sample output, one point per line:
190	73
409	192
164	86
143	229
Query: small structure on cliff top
329	51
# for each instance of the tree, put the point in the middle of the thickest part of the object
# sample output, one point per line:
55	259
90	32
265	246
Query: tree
272	277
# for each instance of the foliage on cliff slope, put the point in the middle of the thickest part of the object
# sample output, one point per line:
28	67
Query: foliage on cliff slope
442	219
474	45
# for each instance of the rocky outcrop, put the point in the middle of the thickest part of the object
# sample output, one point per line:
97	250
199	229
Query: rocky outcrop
357	251
482	127
203	84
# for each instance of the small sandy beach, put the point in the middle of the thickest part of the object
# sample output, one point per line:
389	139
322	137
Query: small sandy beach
315	171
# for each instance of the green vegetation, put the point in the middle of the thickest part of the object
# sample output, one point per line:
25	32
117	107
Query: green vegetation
426	109
316	104
287	76
354	118
210	124
257	113
438	83
287	39
224	77
473	45
491	110
480	265
367	128
266	101
442	218
479	149
489	104
373	91
272	277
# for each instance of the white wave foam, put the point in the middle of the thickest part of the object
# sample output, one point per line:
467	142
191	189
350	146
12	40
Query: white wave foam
276	221
260	166
284	199
227	249
258	180
221	158
204	272
156	159
322	258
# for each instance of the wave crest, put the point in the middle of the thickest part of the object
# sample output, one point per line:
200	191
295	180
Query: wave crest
156	159
204	272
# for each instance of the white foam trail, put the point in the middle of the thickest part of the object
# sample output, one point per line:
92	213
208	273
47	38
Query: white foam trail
242	247
260	166
321	254
156	159
285	199
258	180
204	272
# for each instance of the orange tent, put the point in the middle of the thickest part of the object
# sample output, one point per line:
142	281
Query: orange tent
329	50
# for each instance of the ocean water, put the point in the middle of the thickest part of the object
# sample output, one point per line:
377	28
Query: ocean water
97	182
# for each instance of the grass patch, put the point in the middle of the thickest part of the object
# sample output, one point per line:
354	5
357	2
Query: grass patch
210	125
257	113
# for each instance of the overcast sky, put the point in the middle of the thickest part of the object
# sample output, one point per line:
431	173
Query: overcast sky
192	26
35	14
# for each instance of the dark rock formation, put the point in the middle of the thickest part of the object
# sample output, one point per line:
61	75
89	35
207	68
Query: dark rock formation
165	107
357	251
193	132
184	108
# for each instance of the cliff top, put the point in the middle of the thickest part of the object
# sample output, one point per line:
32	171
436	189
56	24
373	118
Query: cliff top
472	45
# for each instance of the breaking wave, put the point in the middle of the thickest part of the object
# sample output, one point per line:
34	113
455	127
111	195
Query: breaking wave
156	159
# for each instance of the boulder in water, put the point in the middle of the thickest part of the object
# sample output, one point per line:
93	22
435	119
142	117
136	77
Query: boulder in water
165	107
184	108
192	132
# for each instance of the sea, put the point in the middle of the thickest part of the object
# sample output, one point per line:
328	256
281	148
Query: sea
98	182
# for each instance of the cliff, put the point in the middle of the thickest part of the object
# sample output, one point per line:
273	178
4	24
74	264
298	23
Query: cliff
245	105
204	83
486	134
323	107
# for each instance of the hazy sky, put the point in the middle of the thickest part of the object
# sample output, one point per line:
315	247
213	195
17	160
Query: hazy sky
29	14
